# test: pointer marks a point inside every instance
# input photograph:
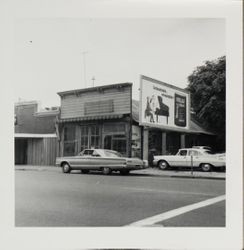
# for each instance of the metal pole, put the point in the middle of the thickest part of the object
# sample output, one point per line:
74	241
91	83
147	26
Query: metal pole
191	164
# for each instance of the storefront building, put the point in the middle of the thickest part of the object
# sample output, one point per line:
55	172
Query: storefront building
107	117
99	117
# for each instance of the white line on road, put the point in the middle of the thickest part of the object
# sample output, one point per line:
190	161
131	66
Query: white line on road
164	191
175	212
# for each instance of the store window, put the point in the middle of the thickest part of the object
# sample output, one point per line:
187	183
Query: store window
90	136
94	134
84	138
69	140
115	142
115	137
136	141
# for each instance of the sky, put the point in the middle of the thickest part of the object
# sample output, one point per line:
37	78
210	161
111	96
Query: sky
58	54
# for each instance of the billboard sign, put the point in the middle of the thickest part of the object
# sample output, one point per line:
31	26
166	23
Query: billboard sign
163	105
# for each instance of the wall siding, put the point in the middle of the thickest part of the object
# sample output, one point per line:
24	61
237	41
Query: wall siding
73	106
41	151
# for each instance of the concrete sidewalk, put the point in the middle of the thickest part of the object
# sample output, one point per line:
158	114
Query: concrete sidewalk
148	171
184	173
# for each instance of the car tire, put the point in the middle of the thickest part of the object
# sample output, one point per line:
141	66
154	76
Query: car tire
85	171
124	172
206	167
66	168
106	170
163	165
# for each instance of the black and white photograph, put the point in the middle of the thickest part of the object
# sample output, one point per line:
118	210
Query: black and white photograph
127	123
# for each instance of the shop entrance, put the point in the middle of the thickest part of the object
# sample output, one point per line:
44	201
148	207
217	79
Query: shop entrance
89	136
20	151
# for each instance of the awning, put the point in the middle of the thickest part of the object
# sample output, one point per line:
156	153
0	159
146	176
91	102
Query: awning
25	135
90	118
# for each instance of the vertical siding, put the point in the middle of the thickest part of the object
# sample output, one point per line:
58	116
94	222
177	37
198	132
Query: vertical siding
74	105
41	151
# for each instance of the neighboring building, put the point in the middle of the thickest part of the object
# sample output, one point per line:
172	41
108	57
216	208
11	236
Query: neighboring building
161	141
35	134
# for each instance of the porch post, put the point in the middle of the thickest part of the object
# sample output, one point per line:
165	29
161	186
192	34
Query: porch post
182	140
145	143
164	143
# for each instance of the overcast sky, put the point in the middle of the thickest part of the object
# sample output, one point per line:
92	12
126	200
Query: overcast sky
53	55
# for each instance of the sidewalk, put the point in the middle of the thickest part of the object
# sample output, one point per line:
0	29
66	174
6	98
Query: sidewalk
184	173
148	171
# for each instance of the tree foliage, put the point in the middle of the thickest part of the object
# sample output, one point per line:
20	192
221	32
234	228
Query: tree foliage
207	88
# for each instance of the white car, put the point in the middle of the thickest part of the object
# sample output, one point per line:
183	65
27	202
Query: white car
190	157
203	147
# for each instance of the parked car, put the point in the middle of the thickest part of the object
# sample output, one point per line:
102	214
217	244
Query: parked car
203	147
100	159
210	151
190	157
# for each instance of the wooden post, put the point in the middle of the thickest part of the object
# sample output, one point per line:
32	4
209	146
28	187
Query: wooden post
164	143
145	143
182	141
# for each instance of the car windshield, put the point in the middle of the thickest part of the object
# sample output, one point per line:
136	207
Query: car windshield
109	153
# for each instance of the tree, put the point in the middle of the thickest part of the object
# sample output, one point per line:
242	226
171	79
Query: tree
207	88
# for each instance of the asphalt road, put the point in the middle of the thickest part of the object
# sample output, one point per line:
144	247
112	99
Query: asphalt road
46	198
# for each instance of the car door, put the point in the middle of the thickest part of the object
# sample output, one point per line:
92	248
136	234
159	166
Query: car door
83	160
180	159
194	158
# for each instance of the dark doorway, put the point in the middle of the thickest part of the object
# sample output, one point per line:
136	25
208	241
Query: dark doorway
20	151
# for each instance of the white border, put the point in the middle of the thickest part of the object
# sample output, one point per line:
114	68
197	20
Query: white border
146	238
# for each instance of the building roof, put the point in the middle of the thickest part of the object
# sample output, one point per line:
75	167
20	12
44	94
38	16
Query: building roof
23	103
194	126
98	88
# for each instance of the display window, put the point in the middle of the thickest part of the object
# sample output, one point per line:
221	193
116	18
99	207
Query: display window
90	136
69	140
115	137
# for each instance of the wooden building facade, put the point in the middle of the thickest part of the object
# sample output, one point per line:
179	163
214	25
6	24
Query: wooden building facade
99	117
35	136
35	149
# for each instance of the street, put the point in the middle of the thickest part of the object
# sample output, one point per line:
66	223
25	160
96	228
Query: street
51	198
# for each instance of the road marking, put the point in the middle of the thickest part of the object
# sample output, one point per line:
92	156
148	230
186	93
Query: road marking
164	191
151	221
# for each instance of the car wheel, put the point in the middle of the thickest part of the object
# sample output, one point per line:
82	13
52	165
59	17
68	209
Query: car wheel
85	171
206	167
106	171
124	172
66	168
163	165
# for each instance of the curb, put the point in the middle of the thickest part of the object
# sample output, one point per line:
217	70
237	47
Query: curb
198	177
54	169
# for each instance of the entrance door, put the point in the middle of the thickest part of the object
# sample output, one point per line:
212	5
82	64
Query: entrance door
90	136
20	151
